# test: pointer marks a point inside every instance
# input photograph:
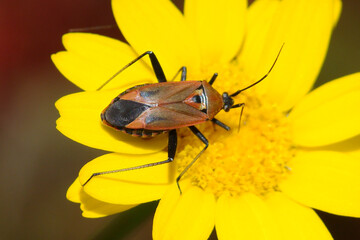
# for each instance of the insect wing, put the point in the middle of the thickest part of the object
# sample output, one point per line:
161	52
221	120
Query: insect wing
122	112
162	93
169	116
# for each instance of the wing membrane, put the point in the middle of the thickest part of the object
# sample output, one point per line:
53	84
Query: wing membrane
162	93
169	116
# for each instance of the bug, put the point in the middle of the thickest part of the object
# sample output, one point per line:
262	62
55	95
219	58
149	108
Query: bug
151	109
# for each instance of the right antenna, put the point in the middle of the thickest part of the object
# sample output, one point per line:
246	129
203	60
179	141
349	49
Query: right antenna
239	91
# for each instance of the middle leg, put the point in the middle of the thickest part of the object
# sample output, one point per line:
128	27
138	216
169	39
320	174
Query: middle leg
205	141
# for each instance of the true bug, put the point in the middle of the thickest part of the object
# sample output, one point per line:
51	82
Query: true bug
150	109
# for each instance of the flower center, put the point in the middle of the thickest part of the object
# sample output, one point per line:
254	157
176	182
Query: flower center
251	158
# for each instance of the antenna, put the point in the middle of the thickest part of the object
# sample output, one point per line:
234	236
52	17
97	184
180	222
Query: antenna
239	91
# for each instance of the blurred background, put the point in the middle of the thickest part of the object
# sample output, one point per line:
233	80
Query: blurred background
37	163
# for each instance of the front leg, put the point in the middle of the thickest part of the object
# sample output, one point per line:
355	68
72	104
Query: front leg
223	125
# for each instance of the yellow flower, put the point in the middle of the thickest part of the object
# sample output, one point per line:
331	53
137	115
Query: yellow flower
295	150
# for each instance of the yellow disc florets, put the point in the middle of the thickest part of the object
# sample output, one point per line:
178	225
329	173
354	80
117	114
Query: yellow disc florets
251	158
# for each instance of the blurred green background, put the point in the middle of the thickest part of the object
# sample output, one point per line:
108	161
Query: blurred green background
37	163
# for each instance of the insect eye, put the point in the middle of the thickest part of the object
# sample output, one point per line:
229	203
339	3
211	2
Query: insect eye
196	99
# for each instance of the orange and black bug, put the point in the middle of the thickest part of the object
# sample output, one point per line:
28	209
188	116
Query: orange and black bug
150	109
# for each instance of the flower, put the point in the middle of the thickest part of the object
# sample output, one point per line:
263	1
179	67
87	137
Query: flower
295	150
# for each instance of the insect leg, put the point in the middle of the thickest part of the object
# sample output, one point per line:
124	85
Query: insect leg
171	155
212	80
223	125
242	105
154	62
183	74
205	141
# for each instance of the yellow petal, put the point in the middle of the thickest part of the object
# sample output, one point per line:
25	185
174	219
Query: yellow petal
258	23
337	11
90	60
80	121
295	221
158	26
328	114
130	187
186	216
218	27
91	207
305	28
350	147
328	181
74	192
245	217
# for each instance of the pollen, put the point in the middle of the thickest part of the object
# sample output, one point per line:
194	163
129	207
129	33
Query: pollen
251	157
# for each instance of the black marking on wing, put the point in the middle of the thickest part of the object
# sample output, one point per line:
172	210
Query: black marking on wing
202	99
122	112
150	119
196	99
147	94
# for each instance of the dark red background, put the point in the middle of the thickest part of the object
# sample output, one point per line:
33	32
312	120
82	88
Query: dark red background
37	163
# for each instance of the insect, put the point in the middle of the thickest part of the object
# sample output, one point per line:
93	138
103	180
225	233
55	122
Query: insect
151	109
